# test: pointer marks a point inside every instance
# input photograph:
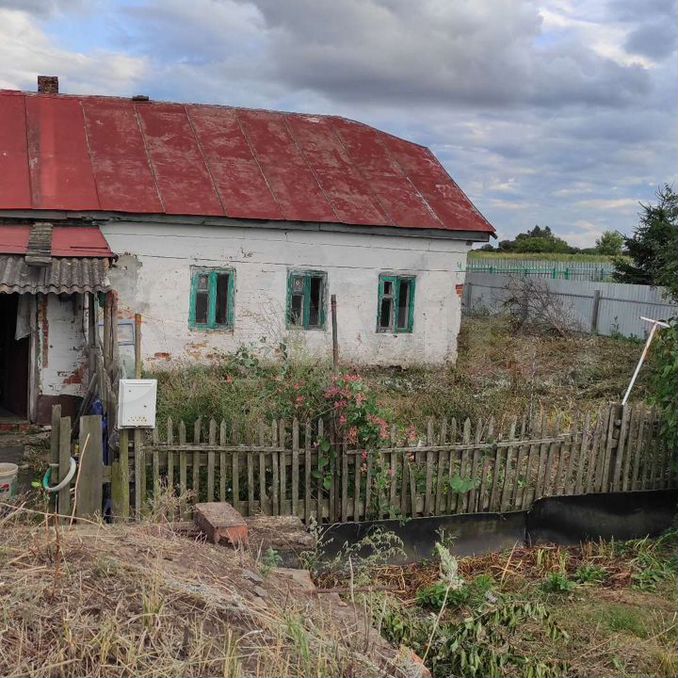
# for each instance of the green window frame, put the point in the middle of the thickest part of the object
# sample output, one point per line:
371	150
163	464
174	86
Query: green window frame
306	299
212	298
395	305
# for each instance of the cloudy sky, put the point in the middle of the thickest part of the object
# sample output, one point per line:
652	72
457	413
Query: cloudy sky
551	112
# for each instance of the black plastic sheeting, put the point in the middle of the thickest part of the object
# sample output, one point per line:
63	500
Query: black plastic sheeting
622	515
560	520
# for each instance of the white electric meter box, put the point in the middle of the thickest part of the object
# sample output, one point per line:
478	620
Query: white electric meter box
136	403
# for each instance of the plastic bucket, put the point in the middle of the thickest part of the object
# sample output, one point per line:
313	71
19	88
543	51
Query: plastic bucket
8	475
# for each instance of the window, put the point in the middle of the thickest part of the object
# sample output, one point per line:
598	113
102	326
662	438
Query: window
306	299
396	303
212	292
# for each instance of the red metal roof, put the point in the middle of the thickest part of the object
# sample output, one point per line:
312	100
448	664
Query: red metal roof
67	241
91	153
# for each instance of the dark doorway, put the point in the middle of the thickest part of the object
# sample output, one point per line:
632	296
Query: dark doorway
13	361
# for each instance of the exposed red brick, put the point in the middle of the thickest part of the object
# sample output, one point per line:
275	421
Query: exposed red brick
220	522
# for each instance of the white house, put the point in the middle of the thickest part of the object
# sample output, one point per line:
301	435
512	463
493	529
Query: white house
222	227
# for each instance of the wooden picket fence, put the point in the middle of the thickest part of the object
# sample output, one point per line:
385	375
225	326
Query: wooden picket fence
290	468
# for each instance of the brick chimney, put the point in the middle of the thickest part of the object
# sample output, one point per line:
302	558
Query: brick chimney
48	84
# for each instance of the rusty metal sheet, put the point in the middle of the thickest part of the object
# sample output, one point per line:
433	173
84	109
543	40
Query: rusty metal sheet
14	239
237	176
67	241
60	168
387	180
436	186
110	154
291	180
121	168
349	194
182	177
79	241
15	185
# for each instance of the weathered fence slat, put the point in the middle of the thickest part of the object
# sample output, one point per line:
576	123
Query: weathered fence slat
270	469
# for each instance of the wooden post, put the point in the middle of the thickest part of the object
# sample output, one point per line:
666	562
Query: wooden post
54	444
120	479
64	500
137	345
89	487
335	338
594	313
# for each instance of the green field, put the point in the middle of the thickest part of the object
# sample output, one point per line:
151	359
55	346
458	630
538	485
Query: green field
545	256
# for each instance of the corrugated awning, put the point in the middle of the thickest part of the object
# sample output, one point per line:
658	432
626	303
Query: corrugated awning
62	276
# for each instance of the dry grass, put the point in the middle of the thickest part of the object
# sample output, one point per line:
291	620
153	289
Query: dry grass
101	600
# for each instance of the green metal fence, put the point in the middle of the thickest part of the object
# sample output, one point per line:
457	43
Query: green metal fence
597	271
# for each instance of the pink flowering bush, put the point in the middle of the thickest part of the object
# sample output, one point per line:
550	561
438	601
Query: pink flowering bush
357	416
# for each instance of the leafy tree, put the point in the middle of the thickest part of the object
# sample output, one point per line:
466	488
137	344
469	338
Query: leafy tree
653	247
653	250
538	239
610	243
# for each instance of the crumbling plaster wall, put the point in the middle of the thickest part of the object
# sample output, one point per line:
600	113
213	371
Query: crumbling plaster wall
61	355
152	277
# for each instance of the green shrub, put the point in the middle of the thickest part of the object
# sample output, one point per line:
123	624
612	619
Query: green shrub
590	574
557	582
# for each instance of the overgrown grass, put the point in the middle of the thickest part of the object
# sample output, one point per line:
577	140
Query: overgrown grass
498	373
541	611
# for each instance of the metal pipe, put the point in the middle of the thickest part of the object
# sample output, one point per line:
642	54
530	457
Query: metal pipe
655	325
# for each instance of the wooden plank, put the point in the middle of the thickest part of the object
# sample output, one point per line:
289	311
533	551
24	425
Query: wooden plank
465	470
54	449
495	502
357	484
508	479
652	452
223	439
307	472
170	454
319	480
582	455
394	500
212	437
183	485
612	438
197	433
120	486
251	504
368	484
520	475
155	458
295	466
428	495
263	498
275	477
631	442
475	467
139	473
621	450
596	459
566	485
344	485
64	498
452	467
440	471
604	455
282	435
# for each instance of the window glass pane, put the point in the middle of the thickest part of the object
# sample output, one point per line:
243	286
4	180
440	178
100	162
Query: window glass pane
388	287
203	283
404	287
315	302
298	284
201	304
297	310
385	313
222	299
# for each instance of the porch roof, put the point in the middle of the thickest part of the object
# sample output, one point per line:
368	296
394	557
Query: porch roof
63	275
